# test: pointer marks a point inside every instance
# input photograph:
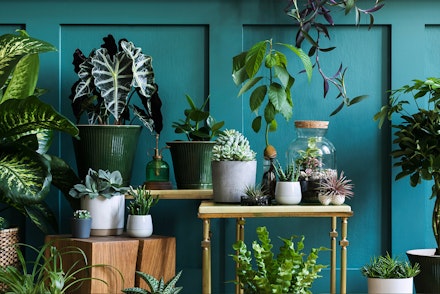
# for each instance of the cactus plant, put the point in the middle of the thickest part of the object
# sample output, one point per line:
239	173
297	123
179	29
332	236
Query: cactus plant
231	145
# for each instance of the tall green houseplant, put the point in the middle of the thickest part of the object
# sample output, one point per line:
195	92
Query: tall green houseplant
26	129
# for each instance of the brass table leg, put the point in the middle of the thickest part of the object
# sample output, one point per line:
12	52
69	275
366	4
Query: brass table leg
333	236
206	258
344	244
240	222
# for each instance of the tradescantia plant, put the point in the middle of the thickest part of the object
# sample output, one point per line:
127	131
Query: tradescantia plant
232	145
288	272
108	78
27	125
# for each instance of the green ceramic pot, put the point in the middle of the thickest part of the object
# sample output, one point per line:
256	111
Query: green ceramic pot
192	163
107	147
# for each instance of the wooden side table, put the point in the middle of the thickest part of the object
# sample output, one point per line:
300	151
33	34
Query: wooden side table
210	210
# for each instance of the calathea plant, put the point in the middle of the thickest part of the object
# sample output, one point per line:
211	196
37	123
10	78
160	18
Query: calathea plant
26	129
108	78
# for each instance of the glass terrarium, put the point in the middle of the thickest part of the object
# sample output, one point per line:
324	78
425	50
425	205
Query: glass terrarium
313	154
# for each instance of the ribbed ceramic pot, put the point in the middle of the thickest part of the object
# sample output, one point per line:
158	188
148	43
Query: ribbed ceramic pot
428	281
192	163
107	214
107	147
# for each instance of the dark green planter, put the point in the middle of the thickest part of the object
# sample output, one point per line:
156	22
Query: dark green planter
428	281
107	147
192	163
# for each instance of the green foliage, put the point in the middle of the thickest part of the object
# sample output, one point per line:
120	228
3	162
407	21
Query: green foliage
246	66
142	201
231	145
108	78
387	267
101	183
198	124
288	174
82	214
156	286
26	130
4	223
255	192
288	272
417	136
46	274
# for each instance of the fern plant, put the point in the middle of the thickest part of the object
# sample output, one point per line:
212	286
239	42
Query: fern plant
288	272
156	286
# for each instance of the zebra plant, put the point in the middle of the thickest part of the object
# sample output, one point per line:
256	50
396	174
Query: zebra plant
156	286
108	78
26	128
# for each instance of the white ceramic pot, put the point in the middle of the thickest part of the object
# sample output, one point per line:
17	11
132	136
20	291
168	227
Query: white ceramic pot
288	193
230	179
139	226
390	286
107	214
324	199
338	199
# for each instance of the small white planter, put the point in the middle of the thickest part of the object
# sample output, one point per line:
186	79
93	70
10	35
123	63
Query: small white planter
390	286
107	214
139	226
230	179
288	193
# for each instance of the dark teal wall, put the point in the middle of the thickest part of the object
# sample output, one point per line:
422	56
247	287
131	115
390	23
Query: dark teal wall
192	44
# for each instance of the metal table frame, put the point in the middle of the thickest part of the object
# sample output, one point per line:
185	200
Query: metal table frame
210	210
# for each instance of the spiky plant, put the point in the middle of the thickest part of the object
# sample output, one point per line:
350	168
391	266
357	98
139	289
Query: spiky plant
288	174
156	286
255	192
142	201
332	185
231	145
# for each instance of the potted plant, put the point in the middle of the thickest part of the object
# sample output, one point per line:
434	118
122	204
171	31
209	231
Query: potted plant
233	166
81	224
9	237
416	153
192	157
139	221
155	286
334	189
108	79
26	129
291	271
46	273
388	274
255	195
287	188
103	195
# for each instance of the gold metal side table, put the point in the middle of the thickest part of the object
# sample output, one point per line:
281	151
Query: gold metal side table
210	210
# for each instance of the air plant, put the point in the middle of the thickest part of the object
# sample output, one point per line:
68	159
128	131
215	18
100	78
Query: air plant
332	185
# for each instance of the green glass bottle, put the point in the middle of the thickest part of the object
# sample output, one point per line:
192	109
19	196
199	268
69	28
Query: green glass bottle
157	170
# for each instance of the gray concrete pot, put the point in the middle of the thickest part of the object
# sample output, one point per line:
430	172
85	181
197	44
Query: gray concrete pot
230	179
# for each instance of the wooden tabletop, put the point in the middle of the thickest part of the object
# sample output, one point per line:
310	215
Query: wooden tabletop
210	209
197	194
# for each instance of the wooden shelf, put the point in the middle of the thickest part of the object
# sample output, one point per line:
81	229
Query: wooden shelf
197	194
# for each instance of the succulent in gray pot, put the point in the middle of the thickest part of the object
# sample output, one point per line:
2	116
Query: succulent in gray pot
81	224
417	155
103	194
191	158
27	126
234	166
108	79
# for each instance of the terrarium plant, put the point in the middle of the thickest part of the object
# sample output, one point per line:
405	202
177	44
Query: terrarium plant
233	166
291	271
335	189
155	286
27	126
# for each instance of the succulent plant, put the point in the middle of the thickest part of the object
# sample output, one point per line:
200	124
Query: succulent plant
156	286
332	185
142	201
231	145
101	183
288	174
81	214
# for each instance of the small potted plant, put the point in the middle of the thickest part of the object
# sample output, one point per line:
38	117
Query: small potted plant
388	274
156	286
287	188
102	194
199	128
234	166
139	221
81	224
334	189
255	195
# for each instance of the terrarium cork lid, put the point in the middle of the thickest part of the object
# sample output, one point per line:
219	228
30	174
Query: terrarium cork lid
311	124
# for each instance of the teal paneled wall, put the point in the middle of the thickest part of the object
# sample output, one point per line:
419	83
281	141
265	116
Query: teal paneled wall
192	44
